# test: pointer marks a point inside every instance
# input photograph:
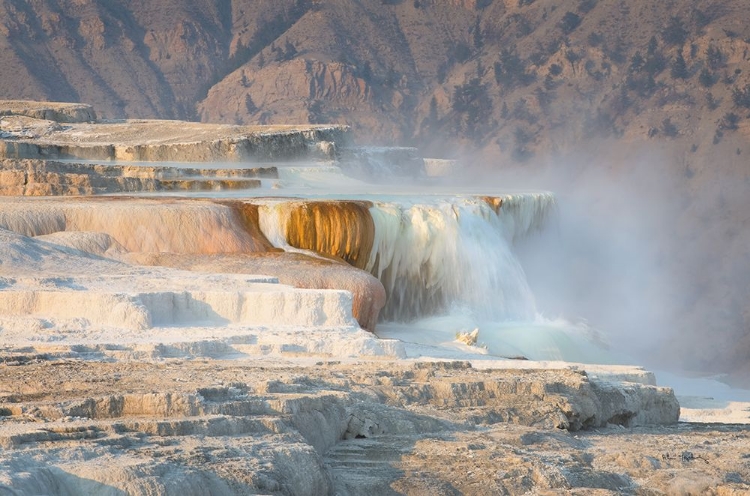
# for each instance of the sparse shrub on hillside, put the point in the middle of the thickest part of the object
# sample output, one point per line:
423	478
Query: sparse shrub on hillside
679	68
714	58
544	98
570	22
555	70
620	102
741	96
572	56
718	135
523	26
595	39
521	112
290	51
365	73
553	45
700	18
471	100
315	112
461	52
636	63
675	32
521	3
250	104
615	50
510	70
442	71
391	76
538	58
592	71
655	65
585	6
693	50
727	78
668	128
432	121
730	122
523	138
643	84
433	115
654	62
711	102
478	36
668	95
550	83
706	78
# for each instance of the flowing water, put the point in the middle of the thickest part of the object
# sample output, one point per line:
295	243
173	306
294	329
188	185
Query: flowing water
446	258
444	253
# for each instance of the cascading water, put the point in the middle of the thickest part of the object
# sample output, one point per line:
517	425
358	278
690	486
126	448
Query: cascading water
437	255
447	264
449	254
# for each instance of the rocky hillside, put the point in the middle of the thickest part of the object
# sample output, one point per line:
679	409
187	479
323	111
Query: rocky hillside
654	95
514	78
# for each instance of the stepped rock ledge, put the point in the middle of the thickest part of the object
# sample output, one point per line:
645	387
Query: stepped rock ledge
154	340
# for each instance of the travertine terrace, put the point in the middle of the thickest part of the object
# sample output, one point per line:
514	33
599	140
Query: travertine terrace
164	331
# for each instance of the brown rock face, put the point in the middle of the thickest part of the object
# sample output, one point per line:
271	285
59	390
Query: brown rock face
53	178
342	229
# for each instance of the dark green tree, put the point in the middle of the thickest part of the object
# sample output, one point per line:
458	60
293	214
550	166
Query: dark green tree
472	101
675	32
730	121
510	70
714	58
290	51
570	22
250	104
668	128
433	115
478	36
741	96
679	67
706	78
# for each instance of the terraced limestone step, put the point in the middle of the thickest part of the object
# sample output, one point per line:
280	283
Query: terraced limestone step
170	141
56	178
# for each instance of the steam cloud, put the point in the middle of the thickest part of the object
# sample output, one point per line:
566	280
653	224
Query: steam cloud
645	254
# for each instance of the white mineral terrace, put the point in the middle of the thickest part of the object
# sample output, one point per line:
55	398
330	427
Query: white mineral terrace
178	334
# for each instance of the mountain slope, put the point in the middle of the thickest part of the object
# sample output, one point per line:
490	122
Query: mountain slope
636	110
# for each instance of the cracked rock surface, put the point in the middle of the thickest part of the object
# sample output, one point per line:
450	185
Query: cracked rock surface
290	425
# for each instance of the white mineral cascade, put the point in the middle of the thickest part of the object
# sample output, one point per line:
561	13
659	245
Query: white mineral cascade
438	254
450	254
448	266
